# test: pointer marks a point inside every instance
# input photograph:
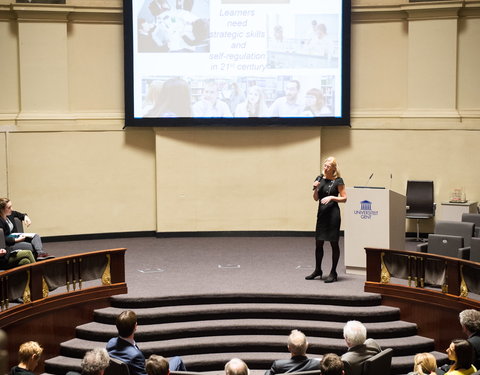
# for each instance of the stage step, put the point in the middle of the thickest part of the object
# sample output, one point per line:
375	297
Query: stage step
258	310
207	335
151	332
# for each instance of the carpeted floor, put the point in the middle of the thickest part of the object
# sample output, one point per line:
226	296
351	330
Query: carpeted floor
181	266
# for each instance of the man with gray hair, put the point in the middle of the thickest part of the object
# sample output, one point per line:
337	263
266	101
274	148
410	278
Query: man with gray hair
470	322
94	362
236	367
359	347
297	345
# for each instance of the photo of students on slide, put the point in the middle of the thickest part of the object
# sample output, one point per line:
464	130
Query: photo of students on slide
173	26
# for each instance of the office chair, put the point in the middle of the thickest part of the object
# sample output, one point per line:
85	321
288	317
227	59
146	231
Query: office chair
475	250
472	218
420	204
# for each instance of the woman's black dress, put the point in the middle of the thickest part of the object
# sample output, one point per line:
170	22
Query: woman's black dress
328	215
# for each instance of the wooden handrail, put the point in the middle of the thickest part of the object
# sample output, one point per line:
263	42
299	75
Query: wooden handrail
430	290
34	282
414	266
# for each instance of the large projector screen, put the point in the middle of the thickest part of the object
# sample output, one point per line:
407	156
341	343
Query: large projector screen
237	62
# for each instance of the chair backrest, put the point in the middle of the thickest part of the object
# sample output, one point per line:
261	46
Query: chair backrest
456	228
117	367
420	197
18	225
444	244
472	218
3	245
475	249
309	372
380	363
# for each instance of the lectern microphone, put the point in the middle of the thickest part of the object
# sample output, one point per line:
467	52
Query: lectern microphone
369	179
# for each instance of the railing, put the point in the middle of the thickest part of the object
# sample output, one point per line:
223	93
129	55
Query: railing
451	276
73	278
430	290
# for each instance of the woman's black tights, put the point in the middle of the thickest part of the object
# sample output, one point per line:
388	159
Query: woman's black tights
319	256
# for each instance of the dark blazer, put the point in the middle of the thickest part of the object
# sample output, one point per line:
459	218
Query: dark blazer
474	339
294	364
354	358
6	229
126	352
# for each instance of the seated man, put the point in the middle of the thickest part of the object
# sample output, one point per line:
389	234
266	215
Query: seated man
331	365
29	355
94	362
157	365
236	367
359	347
126	350
470	322
297	346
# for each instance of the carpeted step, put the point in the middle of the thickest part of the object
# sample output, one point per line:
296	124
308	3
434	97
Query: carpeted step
170	314
155	332
247	343
129	302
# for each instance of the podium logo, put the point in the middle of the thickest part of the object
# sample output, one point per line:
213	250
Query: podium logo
365	212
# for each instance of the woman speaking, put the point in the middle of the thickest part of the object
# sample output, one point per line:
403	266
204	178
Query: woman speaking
329	190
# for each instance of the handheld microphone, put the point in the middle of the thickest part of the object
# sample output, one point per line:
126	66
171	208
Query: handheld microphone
369	179
318	179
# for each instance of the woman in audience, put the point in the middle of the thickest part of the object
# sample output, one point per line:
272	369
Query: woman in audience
461	353
28	358
19	242
424	364
10	259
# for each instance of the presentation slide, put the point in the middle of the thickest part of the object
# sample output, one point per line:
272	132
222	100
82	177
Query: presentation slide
237	58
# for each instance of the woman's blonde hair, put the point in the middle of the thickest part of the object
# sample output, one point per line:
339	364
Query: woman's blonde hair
334	163
424	363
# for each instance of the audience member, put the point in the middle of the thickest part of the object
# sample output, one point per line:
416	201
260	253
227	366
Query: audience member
19	242
236	367
359	347
332	365
424	364
3	352
157	365
14	258
461	353
470	322
93	363
209	105
126	350
29	355
297	346
288	106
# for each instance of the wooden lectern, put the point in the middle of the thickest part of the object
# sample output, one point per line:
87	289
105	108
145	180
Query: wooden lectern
373	217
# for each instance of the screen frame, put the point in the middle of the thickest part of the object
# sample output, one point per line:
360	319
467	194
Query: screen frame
131	121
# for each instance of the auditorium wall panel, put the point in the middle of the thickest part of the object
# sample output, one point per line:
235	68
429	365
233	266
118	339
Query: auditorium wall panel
74	169
84	182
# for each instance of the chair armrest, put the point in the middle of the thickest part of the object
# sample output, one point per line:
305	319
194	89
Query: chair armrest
464	253
477	231
423	247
